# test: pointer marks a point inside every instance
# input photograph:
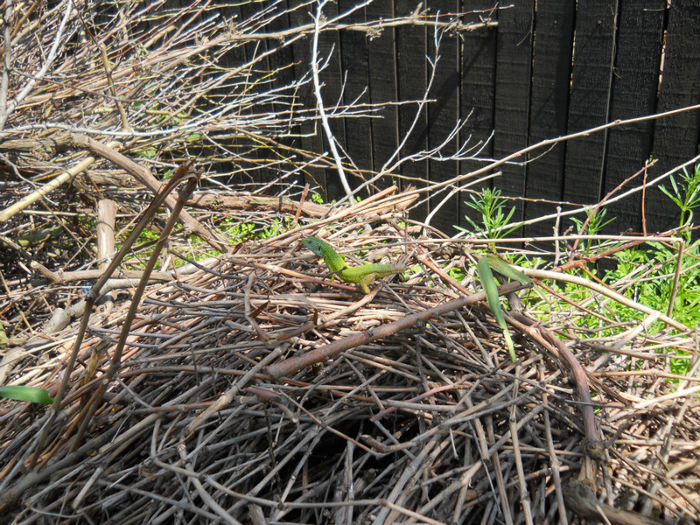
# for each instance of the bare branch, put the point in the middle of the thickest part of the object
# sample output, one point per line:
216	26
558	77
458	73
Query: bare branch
48	61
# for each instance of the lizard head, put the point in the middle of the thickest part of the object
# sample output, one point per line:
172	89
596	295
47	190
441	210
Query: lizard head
314	244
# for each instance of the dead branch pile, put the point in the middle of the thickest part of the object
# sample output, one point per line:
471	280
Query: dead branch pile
430	423
249	386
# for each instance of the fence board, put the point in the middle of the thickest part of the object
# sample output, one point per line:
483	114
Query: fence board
478	89
331	89
383	88
279	62
589	102
442	115
549	103
310	132
635	80
234	58
355	69
410	41
512	111
676	138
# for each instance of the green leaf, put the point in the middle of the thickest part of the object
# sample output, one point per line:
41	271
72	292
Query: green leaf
26	393
506	270
491	290
456	273
147	153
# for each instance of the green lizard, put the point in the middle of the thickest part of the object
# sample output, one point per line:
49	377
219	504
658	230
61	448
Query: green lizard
361	275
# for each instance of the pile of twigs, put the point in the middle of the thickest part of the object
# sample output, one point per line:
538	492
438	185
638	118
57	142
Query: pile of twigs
250	386
411	411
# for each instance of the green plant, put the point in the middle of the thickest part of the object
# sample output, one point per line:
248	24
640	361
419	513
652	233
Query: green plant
236	231
593	224
277	227
686	195
147	153
456	273
655	288
644	274
149	234
494	217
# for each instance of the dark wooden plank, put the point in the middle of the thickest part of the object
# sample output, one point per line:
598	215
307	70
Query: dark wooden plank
279	63
676	138
237	55
638	54
354	54
313	139
477	96
383	88
549	107
411	43
443	114
249	50
310	133
331	88
589	100
512	109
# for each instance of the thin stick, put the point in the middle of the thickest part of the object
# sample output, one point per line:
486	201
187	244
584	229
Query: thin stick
676	277
45	189
6	62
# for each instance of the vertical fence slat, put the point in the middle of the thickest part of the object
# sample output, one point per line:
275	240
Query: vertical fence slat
549	105
589	99
279	62
410	40
250	51
310	139
635	80
331	86
383	88
442	114
676	138
355	71
235	57
477	93
512	111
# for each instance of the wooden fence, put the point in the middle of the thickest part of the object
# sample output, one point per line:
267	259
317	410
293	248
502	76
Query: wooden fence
546	69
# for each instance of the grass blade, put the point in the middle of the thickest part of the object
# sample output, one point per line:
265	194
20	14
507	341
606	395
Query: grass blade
491	290
26	393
